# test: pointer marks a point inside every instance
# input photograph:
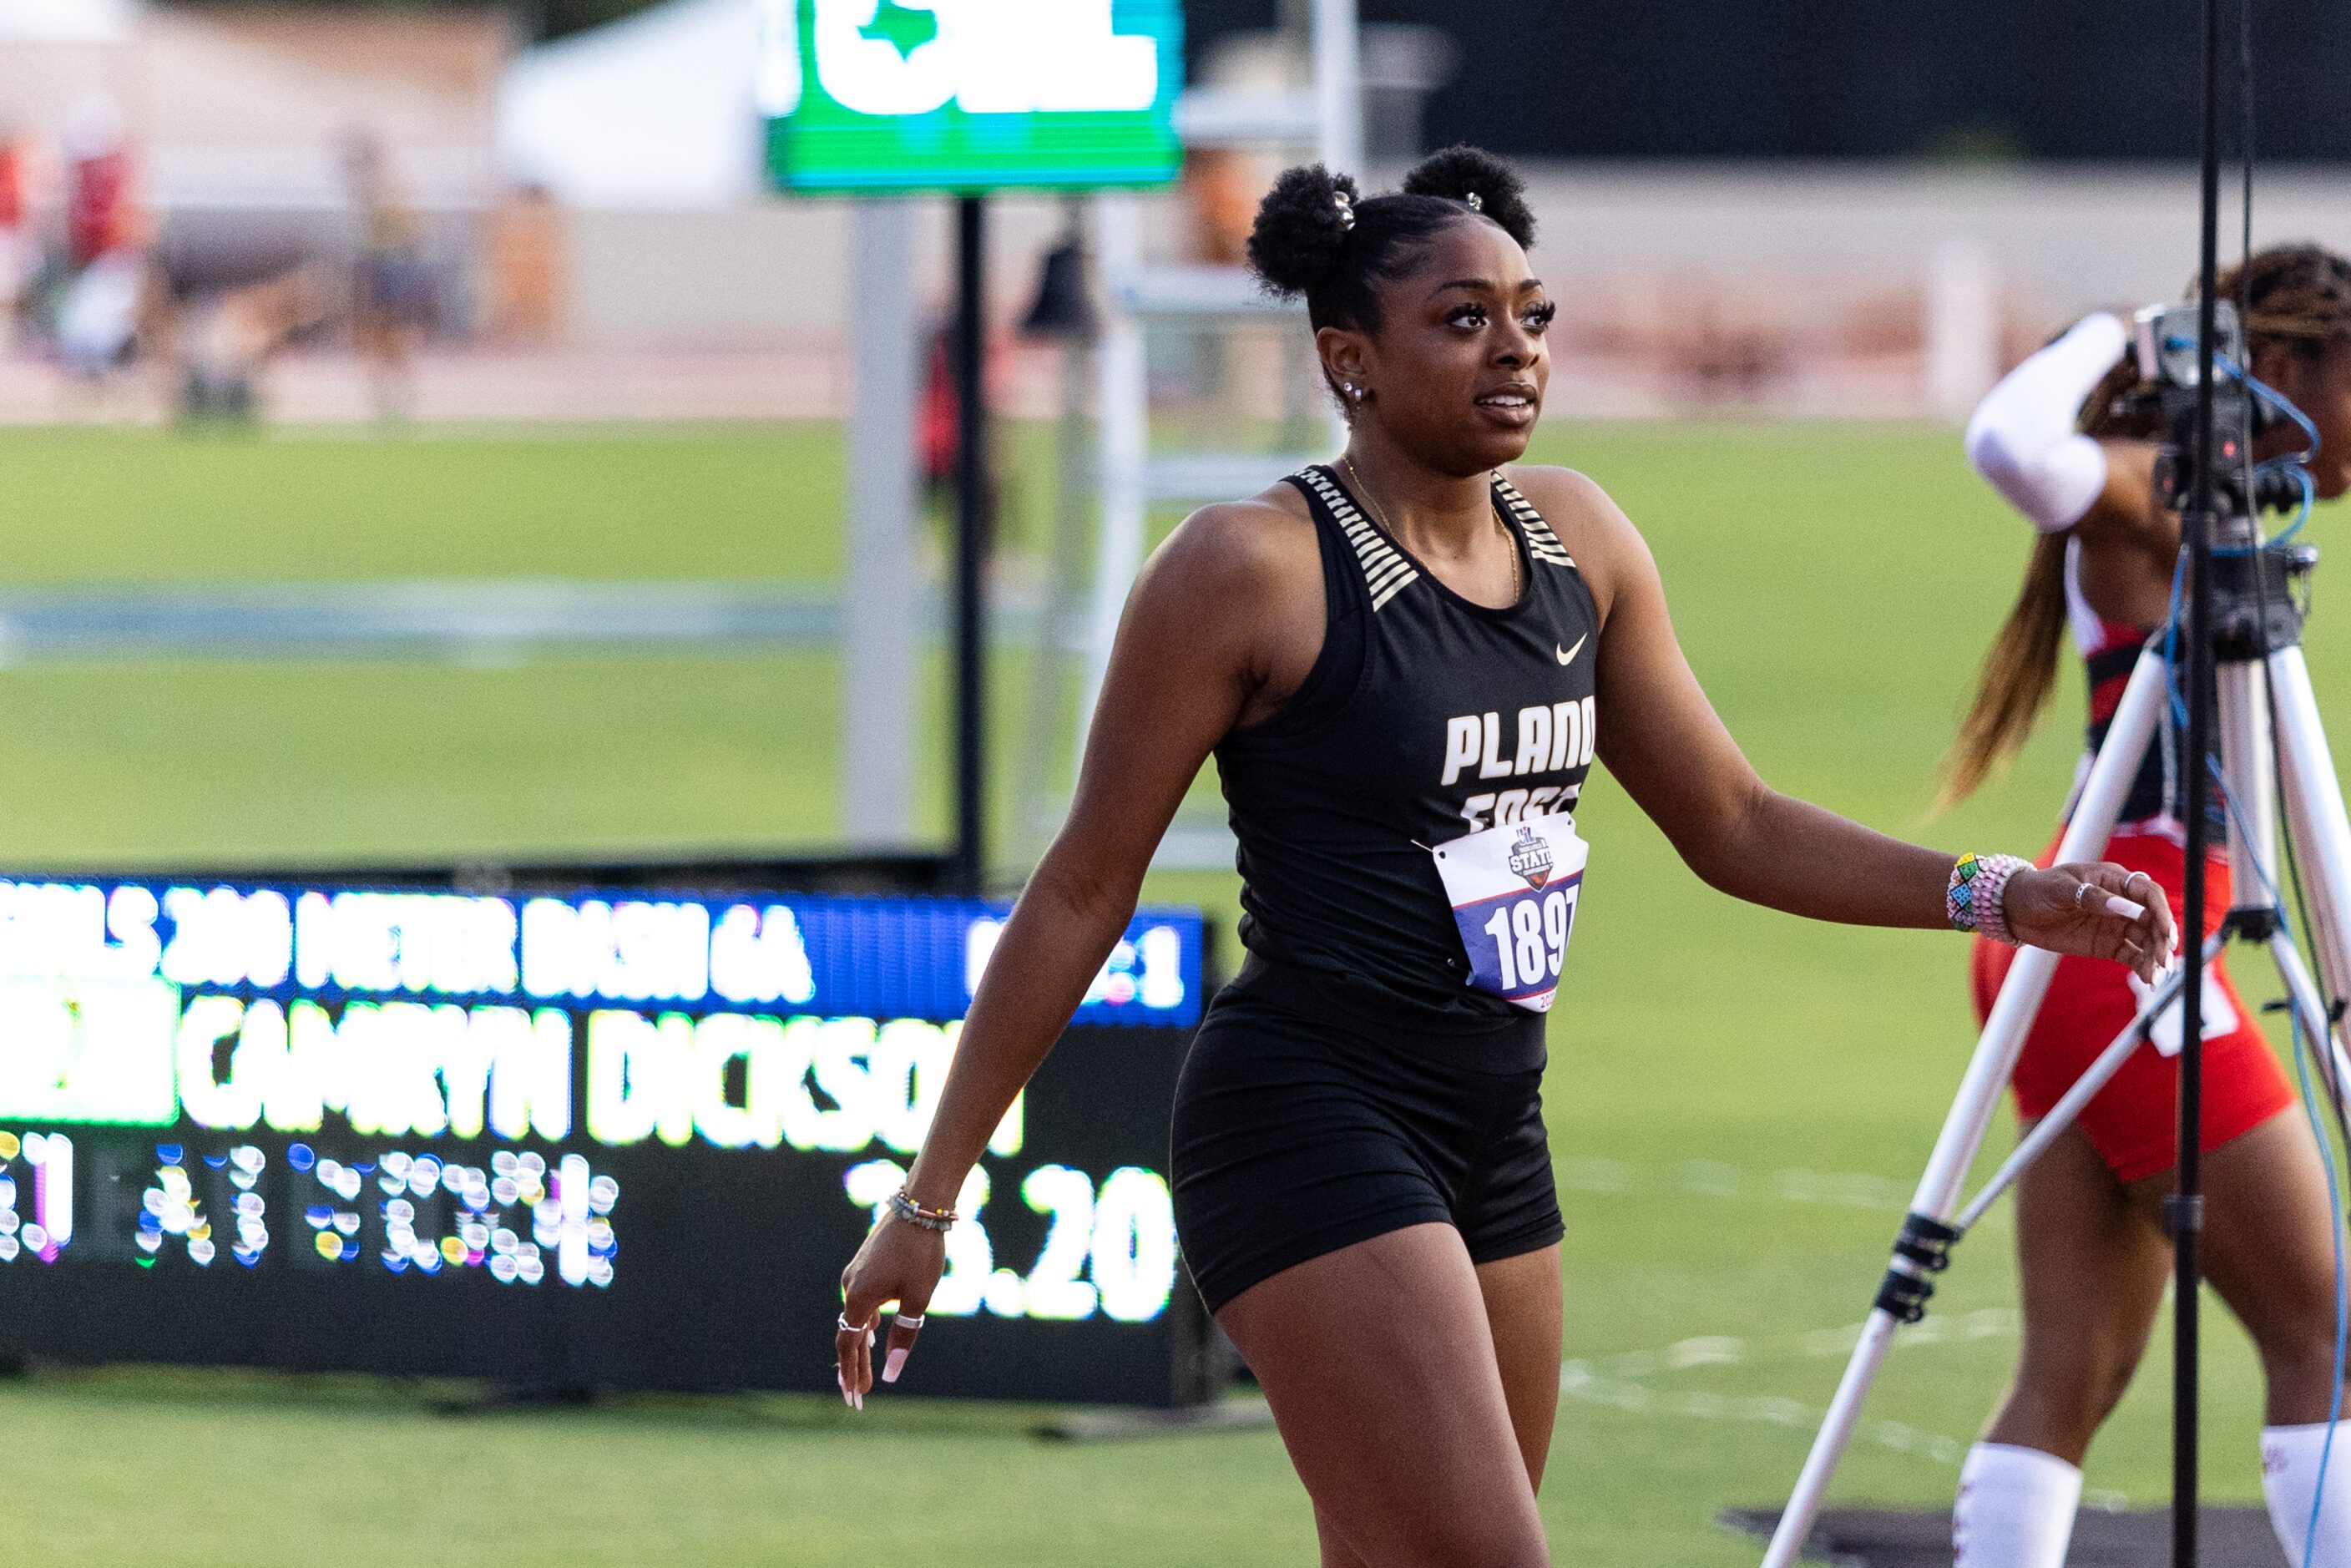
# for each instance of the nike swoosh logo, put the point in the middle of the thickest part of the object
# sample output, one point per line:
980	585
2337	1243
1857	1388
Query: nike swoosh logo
1567	655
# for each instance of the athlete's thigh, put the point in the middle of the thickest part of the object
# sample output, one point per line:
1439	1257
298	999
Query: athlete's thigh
1523	1312
1381	1370
2269	1250
2093	1267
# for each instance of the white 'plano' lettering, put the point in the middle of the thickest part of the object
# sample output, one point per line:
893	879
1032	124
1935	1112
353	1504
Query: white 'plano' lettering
1492	765
1534	740
1461	735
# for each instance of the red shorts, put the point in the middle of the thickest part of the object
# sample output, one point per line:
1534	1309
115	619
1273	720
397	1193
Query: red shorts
2134	1120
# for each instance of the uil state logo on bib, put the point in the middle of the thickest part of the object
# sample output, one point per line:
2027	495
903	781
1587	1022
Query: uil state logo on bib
1531	858
1514	890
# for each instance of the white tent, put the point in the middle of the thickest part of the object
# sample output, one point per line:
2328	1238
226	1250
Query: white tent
68	21
653	110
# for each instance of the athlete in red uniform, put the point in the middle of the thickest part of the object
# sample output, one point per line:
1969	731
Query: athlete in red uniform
2065	442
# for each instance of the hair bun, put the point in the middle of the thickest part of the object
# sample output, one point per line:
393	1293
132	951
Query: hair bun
1460	173
1302	225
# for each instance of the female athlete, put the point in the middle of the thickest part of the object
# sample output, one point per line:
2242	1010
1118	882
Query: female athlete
2064	440
1397	660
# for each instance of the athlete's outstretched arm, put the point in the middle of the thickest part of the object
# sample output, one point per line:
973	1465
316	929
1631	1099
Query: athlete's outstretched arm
1189	657
1664	742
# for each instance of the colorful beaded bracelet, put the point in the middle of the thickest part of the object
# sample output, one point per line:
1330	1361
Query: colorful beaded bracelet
1976	898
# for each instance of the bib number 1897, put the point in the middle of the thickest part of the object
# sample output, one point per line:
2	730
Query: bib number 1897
1530	938
1514	890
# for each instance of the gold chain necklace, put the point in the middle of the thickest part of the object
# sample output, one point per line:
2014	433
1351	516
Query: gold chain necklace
1518	589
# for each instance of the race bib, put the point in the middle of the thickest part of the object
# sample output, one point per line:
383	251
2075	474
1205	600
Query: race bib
2168	1030
1514	891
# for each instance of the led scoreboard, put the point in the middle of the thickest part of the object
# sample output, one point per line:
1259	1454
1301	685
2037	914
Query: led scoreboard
876	96
572	1137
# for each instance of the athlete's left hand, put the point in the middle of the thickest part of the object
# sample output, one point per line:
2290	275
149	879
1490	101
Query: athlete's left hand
2095	909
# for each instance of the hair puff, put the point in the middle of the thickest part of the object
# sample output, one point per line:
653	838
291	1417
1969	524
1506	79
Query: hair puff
1301	227
1459	173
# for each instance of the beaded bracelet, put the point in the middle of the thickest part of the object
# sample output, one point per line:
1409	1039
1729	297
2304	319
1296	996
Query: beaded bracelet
1976	898
913	1213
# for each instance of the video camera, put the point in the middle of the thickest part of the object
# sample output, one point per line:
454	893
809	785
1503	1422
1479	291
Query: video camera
2254	606
2163	341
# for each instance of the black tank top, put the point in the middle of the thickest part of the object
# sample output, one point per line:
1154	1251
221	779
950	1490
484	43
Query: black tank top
1425	717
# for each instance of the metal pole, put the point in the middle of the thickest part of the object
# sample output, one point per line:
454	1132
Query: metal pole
2186	1208
1122	399
1057	627
1339	86
880	605
972	527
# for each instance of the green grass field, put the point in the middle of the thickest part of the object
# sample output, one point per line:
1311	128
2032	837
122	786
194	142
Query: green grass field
1738	1101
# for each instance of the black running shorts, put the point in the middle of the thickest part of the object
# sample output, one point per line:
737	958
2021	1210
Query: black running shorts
1296	1135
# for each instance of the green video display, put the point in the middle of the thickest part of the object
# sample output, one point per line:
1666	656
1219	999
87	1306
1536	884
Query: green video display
876	96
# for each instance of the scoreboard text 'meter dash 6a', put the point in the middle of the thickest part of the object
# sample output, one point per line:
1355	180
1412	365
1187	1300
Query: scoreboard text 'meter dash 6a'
575	1137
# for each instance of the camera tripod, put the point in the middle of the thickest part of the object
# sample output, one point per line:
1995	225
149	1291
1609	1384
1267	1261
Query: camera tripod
2273	749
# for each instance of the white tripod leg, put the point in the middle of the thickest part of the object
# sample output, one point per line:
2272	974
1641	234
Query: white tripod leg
2310	1011
2252	764
2248	767
1922	1249
2321	831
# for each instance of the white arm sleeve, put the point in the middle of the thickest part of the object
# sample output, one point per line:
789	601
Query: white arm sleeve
2021	436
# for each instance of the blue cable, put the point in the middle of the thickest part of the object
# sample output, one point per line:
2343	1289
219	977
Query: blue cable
2176	700
2342	1294
2302	514
2280	402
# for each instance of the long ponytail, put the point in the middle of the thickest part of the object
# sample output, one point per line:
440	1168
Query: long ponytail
2018	675
2021	671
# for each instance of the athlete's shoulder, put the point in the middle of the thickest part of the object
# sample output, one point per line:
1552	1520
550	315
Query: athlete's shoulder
1238	556
1233	543
1564	496
1594	529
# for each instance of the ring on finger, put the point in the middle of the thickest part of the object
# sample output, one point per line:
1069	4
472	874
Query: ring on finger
844	1324
2081	892
2137	876
905	1321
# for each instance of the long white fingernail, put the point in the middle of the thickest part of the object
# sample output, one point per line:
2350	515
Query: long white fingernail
890	1366
845	1398
2126	908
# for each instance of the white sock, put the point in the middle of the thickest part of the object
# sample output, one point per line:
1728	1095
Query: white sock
2289	1482
2015	1507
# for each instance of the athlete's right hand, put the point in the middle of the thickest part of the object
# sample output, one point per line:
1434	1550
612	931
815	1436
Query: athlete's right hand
2096	909
897	1268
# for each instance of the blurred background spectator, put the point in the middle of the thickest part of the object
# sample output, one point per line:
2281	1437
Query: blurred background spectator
451	209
